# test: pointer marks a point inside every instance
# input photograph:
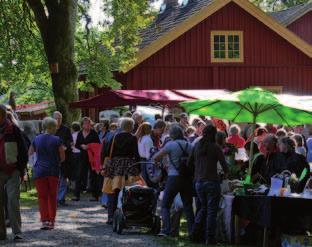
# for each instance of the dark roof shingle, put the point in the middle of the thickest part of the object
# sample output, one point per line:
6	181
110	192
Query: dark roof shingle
170	18
289	15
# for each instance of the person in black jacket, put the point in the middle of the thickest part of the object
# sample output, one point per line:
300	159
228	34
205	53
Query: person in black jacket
86	136
13	161
273	162
122	170
64	134
295	163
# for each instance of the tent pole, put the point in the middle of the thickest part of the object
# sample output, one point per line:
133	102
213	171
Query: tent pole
253	128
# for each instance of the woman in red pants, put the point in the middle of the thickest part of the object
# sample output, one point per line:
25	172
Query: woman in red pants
50	153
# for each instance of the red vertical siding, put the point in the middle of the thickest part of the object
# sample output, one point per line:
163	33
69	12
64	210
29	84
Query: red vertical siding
269	60
303	27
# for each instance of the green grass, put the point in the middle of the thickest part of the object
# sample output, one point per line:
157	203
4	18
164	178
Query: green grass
182	241
29	198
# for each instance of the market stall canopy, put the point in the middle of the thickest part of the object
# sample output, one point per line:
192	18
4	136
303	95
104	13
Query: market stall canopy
255	105
116	98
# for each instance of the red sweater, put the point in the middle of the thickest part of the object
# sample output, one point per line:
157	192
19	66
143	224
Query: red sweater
236	140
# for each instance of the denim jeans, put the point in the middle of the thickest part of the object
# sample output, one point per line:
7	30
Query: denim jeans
62	190
209	195
175	185
104	199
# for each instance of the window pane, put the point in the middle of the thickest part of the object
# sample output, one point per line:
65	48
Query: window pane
236	54
226	46
230	47
222	47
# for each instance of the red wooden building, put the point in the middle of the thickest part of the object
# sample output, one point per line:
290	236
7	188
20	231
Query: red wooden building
223	44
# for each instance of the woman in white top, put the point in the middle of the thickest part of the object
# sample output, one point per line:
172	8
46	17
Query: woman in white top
145	142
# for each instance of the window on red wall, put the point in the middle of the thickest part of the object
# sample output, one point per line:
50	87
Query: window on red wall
227	46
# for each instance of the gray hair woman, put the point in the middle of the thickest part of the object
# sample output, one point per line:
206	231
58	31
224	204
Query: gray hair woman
234	129
295	163
50	154
176	150
126	124
121	170
235	138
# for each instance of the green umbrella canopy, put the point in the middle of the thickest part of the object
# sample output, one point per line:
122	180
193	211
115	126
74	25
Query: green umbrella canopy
253	105
250	106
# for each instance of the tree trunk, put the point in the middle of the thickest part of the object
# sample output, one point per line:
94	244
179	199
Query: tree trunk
65	90
57	23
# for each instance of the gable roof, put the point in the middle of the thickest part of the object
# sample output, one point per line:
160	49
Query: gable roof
169	19
290	15
171	25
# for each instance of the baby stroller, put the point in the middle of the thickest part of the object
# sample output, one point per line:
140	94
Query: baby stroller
136	207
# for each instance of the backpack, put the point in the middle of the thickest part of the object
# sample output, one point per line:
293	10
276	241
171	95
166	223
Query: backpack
183	169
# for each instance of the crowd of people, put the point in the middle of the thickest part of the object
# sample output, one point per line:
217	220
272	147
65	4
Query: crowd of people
102	158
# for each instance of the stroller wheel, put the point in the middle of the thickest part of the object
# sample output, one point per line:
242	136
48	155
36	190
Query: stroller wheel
156	225
119	225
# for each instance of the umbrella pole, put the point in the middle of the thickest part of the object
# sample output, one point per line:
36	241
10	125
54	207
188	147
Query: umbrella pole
253	127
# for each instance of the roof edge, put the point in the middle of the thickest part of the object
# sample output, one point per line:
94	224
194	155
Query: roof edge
207	11
176	32
292	20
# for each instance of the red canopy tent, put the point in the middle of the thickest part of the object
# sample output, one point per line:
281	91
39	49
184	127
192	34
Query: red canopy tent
115	98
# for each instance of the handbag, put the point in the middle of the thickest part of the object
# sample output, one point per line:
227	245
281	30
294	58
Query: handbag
108	181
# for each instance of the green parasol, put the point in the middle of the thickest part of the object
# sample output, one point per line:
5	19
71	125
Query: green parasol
252	105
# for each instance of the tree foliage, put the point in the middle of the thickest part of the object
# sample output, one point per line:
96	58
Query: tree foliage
99	50
111	45
22	58
276	5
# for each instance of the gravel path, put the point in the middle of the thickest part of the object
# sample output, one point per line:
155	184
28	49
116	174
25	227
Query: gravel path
80	224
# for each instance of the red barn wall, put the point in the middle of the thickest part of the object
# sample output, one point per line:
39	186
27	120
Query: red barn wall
269	60
303	27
